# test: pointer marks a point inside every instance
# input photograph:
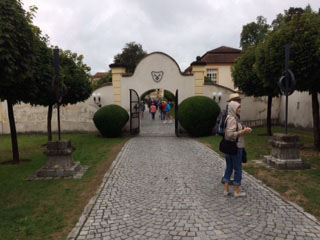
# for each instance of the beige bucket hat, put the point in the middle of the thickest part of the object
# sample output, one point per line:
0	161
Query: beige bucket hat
234	97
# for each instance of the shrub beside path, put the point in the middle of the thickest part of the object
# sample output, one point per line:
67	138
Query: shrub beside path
169	188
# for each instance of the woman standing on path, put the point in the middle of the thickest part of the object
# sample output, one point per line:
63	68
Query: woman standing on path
235	131
153	110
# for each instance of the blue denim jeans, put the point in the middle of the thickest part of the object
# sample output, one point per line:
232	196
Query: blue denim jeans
163	115
234	162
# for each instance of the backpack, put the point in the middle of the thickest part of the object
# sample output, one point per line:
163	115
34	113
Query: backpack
168	108
221	124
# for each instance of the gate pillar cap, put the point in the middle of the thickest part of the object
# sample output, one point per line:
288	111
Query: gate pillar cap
117	65
198	62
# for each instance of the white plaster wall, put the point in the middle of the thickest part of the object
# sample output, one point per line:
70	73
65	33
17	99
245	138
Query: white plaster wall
299	109
209	89
251	108
106	95
74	118
256	108
142	81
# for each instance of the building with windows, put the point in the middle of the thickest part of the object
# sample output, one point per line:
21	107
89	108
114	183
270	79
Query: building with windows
218	65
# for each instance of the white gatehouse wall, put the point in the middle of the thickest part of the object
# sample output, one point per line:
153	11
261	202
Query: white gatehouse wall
142	80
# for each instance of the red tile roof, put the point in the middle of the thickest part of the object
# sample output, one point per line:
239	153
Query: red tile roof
100	74
224	49
221	55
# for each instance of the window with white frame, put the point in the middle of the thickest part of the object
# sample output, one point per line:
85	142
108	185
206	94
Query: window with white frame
213	75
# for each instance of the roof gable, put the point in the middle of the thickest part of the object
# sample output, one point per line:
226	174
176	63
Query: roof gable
225	50
222	55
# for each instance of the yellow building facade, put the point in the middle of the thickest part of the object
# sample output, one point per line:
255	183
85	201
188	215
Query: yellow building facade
217	67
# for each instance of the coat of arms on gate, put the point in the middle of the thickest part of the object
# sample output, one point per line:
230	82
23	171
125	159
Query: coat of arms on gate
157	76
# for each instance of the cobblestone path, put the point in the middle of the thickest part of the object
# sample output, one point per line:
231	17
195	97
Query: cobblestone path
169	188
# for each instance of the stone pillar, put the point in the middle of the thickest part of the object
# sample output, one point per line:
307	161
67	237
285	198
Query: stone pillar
285	152
60	162
117	70
198	70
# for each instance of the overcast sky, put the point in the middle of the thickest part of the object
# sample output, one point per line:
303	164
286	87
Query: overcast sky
183	29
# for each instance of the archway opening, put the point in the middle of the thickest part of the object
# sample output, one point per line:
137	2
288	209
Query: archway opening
157	113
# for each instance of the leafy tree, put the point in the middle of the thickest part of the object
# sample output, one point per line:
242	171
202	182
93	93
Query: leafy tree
131	55
244	71
245	77
74	75
17	55
169	96
302	32
43	70
254	33
287	16
244	74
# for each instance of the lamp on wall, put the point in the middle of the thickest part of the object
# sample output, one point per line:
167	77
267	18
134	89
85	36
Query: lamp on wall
219	96
214	96
97	99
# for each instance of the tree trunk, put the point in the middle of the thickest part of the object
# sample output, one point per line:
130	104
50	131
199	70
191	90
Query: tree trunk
269	124
49	118
13	131
316	121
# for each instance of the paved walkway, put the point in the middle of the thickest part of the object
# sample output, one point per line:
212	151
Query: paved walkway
169	188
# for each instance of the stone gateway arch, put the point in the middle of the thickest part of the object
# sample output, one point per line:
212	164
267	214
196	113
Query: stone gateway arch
155	71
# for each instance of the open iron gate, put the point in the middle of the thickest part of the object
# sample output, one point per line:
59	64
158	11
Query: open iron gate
134	112
176	122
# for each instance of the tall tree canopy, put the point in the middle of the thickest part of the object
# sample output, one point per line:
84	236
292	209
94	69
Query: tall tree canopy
74	78
244	71
284	18
130	56
74	74
302	33
254	33
245	77
16	57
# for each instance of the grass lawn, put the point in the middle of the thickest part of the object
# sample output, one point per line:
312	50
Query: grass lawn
299	186
49	209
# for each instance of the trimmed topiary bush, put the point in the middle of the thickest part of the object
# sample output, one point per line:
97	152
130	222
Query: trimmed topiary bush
198	115
110	120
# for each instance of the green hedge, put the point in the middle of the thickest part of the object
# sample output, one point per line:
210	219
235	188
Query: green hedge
110	120
198	115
